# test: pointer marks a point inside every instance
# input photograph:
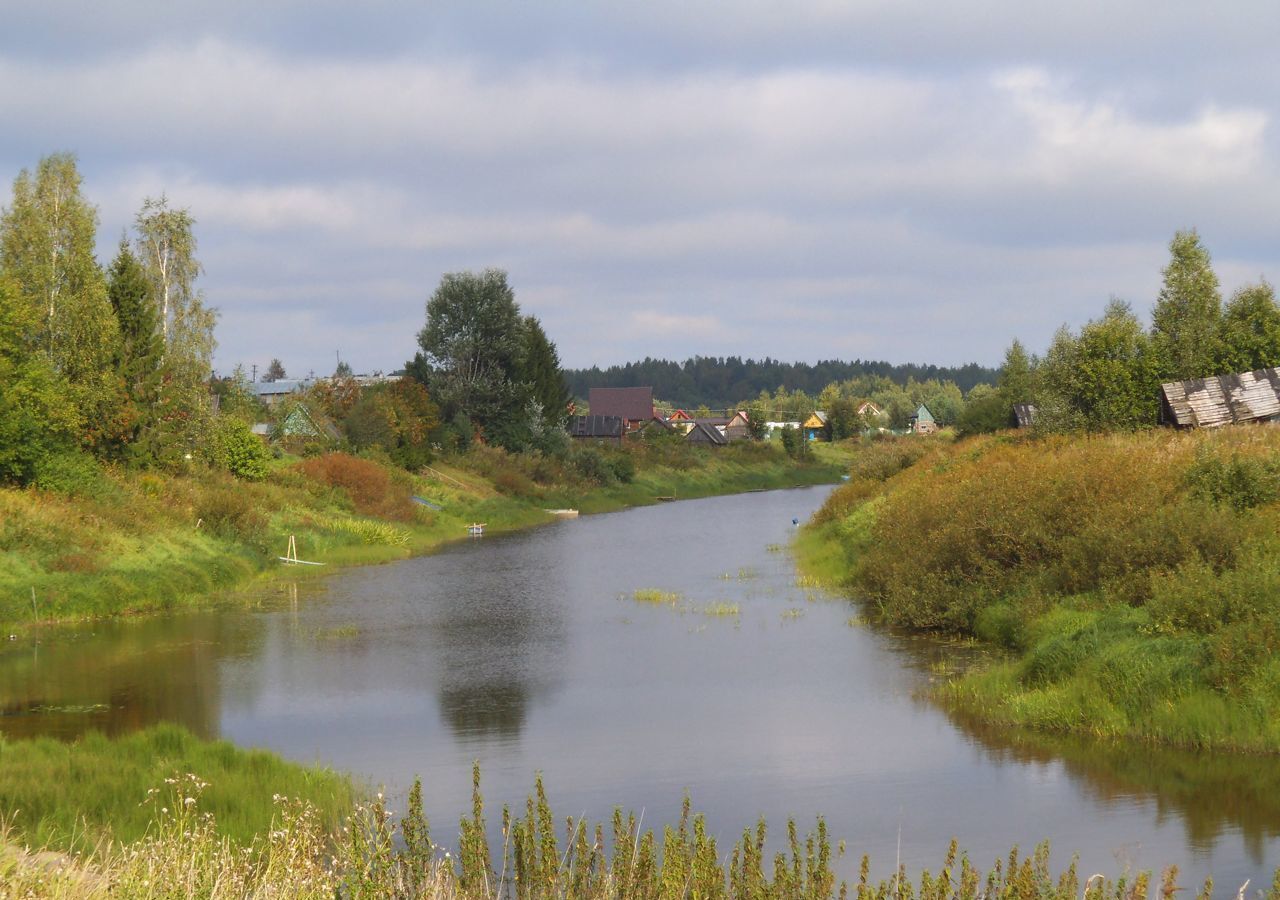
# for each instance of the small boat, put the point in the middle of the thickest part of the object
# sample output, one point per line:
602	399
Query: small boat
475	529
564	513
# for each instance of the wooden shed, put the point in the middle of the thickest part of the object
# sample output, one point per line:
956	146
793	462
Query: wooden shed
601	429
1221	400
706	435
738	428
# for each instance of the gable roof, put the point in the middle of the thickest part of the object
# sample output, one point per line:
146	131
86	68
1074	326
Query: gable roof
870	409
1221	399
631	403
1024	415
702	433
923	414
817	420
596	426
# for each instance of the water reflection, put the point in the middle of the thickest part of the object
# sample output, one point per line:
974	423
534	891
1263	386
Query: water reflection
116	677
1213	795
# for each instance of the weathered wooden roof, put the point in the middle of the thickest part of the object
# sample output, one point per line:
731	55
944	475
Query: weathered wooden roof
705	434
1222	399
596	426
631	403
1024	415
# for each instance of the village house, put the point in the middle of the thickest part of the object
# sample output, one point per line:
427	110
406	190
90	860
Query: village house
815	427
923	421
631	404
1221	400
738	428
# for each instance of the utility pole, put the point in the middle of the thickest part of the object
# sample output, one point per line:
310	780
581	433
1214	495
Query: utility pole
255	371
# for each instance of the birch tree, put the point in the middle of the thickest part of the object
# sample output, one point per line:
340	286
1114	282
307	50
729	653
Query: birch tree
166	248
46	250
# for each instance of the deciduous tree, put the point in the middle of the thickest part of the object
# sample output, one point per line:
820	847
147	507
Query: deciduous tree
1249	334
473	349
46	247
1184	323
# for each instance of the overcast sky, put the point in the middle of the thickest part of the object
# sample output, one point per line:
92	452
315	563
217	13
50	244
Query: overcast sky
806	180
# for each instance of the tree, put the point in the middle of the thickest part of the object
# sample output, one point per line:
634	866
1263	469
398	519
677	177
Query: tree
36	421
1249	332
843	419
545	377
473	352
166	248
1107	378
1184	322
275	371
343	370
1016	381
46	248
140	348
986	409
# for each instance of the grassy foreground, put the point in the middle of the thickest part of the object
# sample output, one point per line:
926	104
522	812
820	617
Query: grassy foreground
72	796
183	854
1132	582
127	542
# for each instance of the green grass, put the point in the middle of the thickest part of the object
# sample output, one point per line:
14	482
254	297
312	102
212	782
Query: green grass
1130	581
376	856
147	542
69	795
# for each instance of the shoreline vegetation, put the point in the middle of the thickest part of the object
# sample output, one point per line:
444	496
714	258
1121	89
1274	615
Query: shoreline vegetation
119	542
184	853
1123	584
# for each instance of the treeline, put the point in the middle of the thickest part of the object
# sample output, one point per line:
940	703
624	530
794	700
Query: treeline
1107	376
720	382
110	362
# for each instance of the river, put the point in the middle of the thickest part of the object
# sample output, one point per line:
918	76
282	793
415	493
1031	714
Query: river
530	653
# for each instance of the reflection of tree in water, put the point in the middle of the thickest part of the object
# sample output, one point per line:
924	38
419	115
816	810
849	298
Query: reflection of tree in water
1210	792
499	640
492	709
115	678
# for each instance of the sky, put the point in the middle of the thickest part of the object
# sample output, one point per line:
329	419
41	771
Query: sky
803	180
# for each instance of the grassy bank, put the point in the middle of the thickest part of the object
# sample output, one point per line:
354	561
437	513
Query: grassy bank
1131	582
542	856
72	796
126	542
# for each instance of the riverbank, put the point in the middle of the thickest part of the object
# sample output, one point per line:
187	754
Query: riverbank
1126	584
125	542
378	855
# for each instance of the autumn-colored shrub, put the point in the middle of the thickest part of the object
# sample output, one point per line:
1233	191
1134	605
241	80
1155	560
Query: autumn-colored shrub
372	488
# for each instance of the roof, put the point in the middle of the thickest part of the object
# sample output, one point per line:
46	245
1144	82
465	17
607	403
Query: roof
869	408
283	386
631	403
679	415
922	413
1024	415
712	421
596	426
701	433
817	420
1222	399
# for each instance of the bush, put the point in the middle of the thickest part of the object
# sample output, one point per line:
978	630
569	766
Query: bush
238	450
228	511
372	490
70	472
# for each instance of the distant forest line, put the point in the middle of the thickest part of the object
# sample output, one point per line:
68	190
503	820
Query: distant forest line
724	381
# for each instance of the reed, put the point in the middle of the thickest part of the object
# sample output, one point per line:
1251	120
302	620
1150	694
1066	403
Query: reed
542	856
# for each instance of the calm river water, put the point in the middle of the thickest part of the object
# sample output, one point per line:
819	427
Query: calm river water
529	653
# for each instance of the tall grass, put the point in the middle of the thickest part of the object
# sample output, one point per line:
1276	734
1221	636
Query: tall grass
1135	577
72	795
542	856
